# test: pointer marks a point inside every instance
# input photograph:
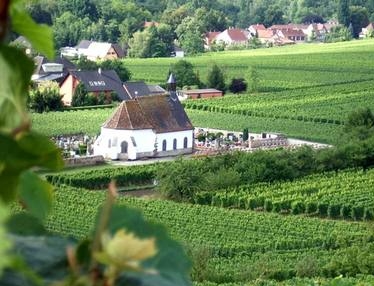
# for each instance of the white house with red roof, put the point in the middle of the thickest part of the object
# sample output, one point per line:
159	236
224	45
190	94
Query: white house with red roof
233	36
254	29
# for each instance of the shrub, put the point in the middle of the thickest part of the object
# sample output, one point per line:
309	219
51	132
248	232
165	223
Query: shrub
45	97
238	85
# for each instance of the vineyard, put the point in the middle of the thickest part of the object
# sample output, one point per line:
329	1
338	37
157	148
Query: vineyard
99	179
305	91
263	233
344	195
235	240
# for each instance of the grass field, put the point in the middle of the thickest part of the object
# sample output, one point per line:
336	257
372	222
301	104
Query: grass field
304	91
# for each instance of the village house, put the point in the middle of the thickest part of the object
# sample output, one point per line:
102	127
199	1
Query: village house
94	51
233	36
146	126
95	82
254	29
316	31
293	35
209	39
55	70
367	31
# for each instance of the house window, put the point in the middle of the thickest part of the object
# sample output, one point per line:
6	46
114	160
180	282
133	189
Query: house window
164	145
124	147
109	143
185	141
175	144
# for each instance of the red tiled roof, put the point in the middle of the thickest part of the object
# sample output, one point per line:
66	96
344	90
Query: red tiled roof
265	34
128	116
162	113
150	24
370	26
258	27
211	36
237	35
292	33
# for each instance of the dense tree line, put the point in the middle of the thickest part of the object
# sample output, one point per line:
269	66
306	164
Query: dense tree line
122	21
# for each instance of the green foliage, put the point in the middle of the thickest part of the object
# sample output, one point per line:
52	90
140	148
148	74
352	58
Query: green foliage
85	64
339	34
359	18
118	66
40	36
216	78
184	73
6	244
152	42
156	256
45	97
180	179
99	179
234	241
360	124
190	35
81	97
245	134
237	85
343	12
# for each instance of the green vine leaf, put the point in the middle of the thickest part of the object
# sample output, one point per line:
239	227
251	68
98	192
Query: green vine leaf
16	70
35	194
49	156
40	36
16	156
170	265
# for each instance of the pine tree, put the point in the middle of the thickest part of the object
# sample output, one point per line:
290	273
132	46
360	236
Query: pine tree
343	12
216	78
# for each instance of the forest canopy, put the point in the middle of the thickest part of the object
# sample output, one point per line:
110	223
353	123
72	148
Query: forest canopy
118	20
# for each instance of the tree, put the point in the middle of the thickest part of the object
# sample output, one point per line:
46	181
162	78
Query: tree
238	85
184	73
360	124
85	64
253	79
359	18
118	66
343	12
273	15
46	97
80	96
245	134
140	44
216	78
190	35
69	29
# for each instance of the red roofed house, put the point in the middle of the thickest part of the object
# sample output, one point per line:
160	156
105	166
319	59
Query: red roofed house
233	36
254	29
210	38
367	31
297	36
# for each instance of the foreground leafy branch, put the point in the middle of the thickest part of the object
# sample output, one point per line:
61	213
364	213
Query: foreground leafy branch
125	249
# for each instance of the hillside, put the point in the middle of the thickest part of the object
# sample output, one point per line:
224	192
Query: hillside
304	91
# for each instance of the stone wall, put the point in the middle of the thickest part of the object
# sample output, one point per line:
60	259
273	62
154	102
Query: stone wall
84	161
